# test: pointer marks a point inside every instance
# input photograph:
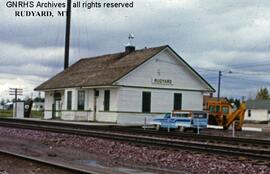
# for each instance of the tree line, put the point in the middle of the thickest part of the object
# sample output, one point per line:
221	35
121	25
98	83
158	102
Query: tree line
262	94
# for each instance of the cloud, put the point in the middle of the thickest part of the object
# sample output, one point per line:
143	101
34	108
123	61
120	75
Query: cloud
211	34
25	82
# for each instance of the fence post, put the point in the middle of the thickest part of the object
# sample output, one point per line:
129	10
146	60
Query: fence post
168	124
144	123
233	129
198	129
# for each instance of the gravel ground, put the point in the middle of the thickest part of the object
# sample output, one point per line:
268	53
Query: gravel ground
120	154
7	166
241	134
264	127
265	134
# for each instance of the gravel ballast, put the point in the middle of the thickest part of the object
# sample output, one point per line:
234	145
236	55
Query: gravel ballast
134	155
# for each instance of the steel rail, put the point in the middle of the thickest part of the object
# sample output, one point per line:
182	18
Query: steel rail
174	135
47	163
155	141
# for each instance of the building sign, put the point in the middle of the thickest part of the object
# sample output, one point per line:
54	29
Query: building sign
162	81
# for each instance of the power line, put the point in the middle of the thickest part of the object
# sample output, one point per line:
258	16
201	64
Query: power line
207	69
250	65
247	80
232	71
249	73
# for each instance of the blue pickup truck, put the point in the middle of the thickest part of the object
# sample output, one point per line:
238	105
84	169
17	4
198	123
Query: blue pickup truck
182	120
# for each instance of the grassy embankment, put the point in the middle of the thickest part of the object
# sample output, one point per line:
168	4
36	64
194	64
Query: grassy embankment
8	113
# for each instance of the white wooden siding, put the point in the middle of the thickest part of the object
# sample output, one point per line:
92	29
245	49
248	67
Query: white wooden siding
88	105
77	115
89	99
133	118
48	105
126	101
257	115
165	65
113	99
74	98
107	116
49	100
130	99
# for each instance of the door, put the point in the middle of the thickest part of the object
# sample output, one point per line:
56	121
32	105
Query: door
177	101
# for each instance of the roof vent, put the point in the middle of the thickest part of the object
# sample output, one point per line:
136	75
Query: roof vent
130	48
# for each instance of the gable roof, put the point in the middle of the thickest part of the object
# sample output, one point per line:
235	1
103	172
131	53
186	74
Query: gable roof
103	70
258	104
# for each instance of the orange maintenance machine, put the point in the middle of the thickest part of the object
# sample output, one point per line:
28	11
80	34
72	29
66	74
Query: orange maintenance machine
221	113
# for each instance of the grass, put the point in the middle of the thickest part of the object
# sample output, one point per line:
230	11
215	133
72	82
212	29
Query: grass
5	113
9	113
36	114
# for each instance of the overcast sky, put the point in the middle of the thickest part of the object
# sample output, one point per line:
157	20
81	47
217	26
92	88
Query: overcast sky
211	35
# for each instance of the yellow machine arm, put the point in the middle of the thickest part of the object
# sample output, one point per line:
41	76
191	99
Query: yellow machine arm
238	116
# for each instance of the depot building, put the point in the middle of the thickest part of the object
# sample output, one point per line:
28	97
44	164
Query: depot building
124	87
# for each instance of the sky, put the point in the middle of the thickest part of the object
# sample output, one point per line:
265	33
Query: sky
232	36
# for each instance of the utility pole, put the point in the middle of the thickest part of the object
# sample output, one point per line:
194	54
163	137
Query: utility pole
15	92
67	38
219	81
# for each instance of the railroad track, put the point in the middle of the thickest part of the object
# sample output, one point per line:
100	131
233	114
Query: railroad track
138	130
173	140
66	168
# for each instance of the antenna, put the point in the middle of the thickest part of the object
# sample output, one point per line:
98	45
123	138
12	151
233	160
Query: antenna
130	38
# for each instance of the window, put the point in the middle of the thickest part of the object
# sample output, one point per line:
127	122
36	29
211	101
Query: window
81	100
96	93
69	100
146	102
225	110
199	115
249	113
106	100
167	115
217	108
211	108
181	115
177	101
